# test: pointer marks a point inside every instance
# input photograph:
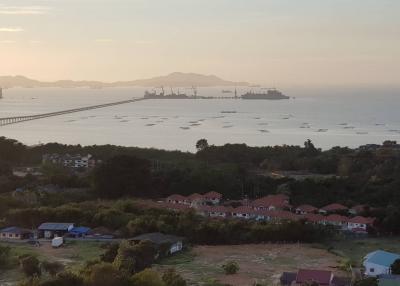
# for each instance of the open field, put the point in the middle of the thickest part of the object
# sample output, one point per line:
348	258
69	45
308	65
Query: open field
356	249
73	255
261	262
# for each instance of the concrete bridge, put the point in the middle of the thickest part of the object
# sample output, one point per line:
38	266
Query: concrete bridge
18	119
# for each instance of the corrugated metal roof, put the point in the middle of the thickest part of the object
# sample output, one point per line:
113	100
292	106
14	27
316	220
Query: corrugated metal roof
80	230
381	257
15	230
55	226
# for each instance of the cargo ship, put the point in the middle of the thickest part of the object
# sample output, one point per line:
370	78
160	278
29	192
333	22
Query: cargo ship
270	94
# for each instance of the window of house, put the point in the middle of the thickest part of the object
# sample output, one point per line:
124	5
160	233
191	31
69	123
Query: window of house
372	270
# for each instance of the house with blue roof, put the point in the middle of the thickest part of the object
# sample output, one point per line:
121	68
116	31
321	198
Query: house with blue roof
379	262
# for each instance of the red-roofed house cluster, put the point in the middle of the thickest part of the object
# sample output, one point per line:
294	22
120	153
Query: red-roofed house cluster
272	208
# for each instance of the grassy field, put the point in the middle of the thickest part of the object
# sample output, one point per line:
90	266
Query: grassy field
356	249
262	263
73	255
200	264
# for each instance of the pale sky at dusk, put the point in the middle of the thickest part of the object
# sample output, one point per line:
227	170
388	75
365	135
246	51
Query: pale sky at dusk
284	42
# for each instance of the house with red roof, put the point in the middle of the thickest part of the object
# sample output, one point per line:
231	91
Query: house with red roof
333	208
306	209
271	202
245	212
176	199
214	211
213	197
336	220
195	199
359	224
314	218
322	277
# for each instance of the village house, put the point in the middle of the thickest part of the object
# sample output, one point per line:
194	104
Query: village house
213	198
271	202
245	212
214	211
164	242
176	199
306	209
50	230
304	276
195	200
15	233
333	208
336	220
357	209
70	161
379	262
359	224
315	218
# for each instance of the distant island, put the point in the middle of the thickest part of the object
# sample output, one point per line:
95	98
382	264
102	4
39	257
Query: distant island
176	79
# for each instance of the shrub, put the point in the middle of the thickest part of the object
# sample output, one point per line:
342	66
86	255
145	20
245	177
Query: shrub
171	278
231	267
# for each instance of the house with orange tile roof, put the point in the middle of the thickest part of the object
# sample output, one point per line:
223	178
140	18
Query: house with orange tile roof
306	209
213	197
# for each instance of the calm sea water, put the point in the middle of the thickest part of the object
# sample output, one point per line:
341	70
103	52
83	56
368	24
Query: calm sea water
328	117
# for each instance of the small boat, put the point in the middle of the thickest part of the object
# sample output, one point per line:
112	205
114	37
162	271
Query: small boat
184	128
322	130
227	126
264	131
228	111
150	124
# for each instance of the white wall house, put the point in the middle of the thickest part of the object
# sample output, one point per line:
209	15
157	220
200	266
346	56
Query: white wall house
379	262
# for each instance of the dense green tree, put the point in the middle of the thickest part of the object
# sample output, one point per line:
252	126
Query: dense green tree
395	267
123	176
147	277
230	267
134	258
172	278
64	279
202	144
105	274
30	265
52	267
4	256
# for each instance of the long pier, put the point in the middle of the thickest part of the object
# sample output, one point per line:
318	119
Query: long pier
17	119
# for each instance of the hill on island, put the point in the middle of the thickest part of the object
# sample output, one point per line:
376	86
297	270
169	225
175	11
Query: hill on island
176	79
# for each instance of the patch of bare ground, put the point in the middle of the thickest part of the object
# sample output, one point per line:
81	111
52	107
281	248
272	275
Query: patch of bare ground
258	262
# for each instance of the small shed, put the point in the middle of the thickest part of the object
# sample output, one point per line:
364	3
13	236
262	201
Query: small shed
79	231
174	243
16	233
53	229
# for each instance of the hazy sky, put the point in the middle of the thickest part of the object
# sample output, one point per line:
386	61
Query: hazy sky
279	42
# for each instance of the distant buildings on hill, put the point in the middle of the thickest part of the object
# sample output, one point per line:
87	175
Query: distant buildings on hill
71	161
